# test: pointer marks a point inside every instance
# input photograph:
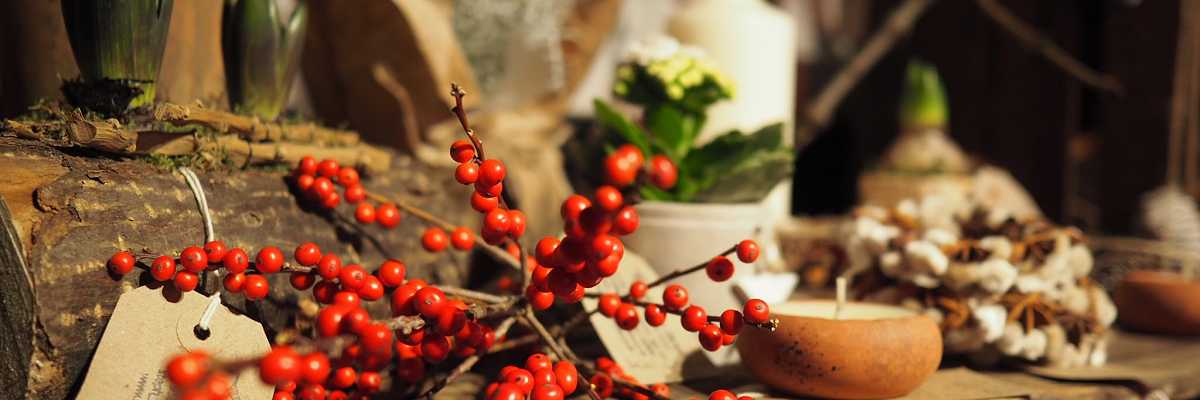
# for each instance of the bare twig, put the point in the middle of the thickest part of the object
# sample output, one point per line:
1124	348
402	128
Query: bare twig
475	295
466	363
532	320
898	24
406	324
412	131
251	128
1030	37
681	272
494	251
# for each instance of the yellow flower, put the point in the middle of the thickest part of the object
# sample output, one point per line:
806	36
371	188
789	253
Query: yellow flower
674	91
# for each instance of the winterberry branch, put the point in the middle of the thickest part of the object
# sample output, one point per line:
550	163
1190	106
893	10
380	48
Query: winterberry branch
495	251
681	272
466	363
537	326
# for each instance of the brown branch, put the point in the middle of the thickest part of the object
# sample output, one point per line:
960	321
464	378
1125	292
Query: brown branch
408	112
531	319
1031	38
406	324
898	24
251	128
496	252
681	272
476	295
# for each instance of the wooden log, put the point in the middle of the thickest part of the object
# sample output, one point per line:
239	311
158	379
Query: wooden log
62	214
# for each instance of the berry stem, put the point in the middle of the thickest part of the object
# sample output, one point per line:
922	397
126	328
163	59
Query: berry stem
467	363
429	218
681	272
405	323
532	320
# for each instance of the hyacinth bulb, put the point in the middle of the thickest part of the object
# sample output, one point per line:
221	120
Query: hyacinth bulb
118	46
262	53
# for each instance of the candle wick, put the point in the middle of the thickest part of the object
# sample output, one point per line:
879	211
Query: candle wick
841	297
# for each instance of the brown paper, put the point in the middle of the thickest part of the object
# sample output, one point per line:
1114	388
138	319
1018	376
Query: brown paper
666	353
149	326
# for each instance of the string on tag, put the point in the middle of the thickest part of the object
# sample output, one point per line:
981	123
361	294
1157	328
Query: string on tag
202	329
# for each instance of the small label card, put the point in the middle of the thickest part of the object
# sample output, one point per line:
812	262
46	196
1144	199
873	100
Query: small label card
149	326
666	353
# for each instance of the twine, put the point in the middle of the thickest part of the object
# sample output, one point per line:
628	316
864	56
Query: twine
203	326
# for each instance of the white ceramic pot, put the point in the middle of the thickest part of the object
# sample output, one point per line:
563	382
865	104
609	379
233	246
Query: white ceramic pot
673	236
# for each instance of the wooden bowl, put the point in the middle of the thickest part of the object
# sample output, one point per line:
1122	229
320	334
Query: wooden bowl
1158	302
873	351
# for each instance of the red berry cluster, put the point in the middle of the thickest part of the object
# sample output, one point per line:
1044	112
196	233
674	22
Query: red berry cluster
624	166
318	179
540	379
590	251
607	374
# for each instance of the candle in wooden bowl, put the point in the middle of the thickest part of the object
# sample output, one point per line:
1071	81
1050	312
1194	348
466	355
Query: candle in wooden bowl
1159	302
870	351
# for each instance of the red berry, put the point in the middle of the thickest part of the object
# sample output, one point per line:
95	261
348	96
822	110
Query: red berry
328	168
320	188
507	391
371	289
387	215
356	320
626	316
488	190
711	337
307	254
722	394
236	260
520	377
355	193
655	316
410	370
719	269
693	318
429	301
163	268
343	377
462	150
567	376
638	289
516	227
483	204
331	200
352	276
370	381
537	299
747	251
194	259
215	250
595	221
307	166
661	389
573	206
435	349
607	266
609	198
314	368
324	291
603	385
234	282
561	282
575	296
391	273
605	364
467	173
727	339
756	311
187	369
304	182
269	260
544	376
365	213
547	392
608	304
329	319
283	396
376	338
622	166
256	287
402	300
662	172
313	392
588	278
347	177
330	266
302	280
186	281
675	297
434	239
347	297
731	322
491	172
449	321
462	238
281	365
625	221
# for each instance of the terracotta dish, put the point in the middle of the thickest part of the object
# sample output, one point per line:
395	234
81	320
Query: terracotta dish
1159	302
873	351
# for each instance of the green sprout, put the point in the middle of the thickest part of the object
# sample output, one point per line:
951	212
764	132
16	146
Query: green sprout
118	46
262	55
923	102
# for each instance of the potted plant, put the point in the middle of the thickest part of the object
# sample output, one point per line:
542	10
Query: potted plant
262	54
118	46
691	192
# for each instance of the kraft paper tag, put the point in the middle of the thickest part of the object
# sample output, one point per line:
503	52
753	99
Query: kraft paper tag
149	326
665	353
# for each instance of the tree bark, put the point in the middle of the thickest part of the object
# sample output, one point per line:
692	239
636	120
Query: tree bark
64	212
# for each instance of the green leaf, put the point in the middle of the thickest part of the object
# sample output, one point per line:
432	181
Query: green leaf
732	147
612	119
119	40
672	130
923	102
749	180
262	54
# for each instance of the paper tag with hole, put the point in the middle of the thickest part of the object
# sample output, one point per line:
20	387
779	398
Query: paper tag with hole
149	326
